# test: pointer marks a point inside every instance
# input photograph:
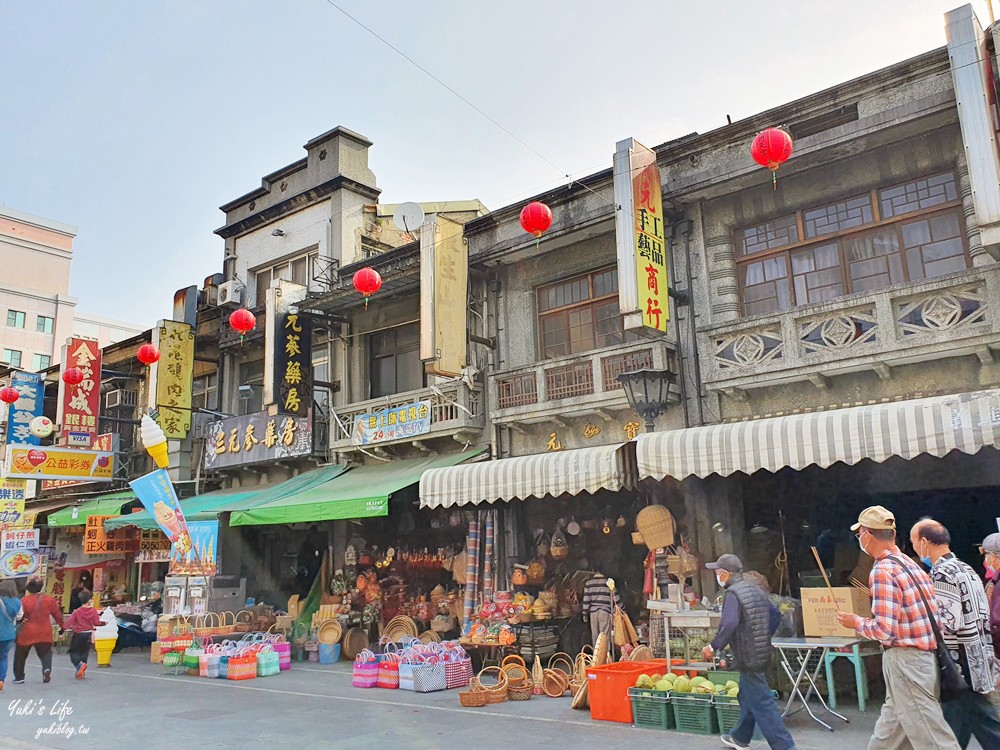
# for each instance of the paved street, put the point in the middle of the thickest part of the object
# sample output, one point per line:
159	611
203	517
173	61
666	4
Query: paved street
133	704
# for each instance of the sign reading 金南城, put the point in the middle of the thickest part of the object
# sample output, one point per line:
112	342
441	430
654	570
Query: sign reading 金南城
255	438
48	462
172	378
81	403
641	239
27	407
12	493
18	540
393	423
97	541
293	364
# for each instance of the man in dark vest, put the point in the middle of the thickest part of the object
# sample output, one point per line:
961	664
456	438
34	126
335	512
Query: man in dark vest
748	622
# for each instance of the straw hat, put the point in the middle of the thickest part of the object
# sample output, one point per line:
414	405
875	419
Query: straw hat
656	525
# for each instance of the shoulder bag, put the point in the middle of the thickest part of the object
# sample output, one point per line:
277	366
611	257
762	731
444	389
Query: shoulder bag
952	680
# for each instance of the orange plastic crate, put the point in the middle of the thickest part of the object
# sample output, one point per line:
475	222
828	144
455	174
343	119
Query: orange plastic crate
608	690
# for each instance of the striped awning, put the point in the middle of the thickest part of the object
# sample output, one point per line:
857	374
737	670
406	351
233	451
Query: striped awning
556	473
936	426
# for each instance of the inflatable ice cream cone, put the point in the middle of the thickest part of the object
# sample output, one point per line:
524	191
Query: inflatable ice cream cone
154	441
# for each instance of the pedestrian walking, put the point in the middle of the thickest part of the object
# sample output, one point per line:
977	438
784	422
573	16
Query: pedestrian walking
84	620
991	562
36	630
598	605
748	622
964	621
10	613
902	608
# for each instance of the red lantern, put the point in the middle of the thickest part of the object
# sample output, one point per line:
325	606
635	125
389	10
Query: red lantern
242	321
771	149
72	376
9	395
148	354
536	217
367	281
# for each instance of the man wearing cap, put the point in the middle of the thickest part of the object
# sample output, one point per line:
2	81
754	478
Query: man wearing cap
911	715
991	561
748	622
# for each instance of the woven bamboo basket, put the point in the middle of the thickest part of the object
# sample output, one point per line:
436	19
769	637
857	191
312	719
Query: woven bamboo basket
562	662
227	621
429	636
555	682
474	697
656	525
330	632
640	653
355	641
496	693
519	692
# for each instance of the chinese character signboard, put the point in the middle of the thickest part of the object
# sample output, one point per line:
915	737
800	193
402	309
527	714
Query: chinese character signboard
172	376
104	443
15	540
293	364
395	423
640	238
26	408
444	274
97	541
153	546
159	499
255	438
11	501
81	403
201	558
48	462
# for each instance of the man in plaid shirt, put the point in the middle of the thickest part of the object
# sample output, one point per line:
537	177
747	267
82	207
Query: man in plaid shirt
911	715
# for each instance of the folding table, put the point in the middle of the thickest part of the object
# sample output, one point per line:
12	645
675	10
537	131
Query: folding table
796	654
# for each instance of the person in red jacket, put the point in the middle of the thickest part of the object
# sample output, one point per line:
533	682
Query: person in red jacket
36	630
84	620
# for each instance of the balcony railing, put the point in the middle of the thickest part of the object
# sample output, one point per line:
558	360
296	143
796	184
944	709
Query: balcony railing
945	317
576	383
455	410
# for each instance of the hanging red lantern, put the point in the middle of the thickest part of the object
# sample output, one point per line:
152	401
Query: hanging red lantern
9	395
367	281
72	376
771	149
536	218
242	321
148	354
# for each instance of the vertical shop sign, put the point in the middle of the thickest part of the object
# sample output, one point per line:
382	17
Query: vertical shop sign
26	408
293	364
12	501
640	234
173	378
97	541
81	403
444	280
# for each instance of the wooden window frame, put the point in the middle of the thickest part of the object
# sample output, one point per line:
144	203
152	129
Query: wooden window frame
592	302
838	238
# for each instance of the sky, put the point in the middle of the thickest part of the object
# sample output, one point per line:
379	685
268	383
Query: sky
134	121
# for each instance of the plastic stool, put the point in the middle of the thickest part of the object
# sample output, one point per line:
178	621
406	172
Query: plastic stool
857	657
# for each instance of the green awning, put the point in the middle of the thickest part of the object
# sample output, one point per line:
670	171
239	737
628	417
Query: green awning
208	506
105	505
361	492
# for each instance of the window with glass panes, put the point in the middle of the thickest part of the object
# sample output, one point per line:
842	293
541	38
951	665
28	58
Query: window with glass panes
11	357
395	365
865	242
251	400
579	314
15	319
205	392
300	270
44	324
40	362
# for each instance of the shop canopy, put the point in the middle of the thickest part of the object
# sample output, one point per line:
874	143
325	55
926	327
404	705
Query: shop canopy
208	506
936	426
556	473
361	492
104	505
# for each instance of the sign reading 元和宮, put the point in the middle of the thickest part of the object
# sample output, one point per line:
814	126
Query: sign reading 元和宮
393	423
293	391
641	239
255	438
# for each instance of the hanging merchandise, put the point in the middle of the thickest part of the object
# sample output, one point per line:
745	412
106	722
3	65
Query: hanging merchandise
559	548
350	556
148	354
72	376
242	321
488	559
536	572
573	528
367	281
520	575
541	543
771	149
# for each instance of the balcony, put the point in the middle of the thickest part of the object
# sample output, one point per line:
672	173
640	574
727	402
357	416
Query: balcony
574	386
951	316
455	411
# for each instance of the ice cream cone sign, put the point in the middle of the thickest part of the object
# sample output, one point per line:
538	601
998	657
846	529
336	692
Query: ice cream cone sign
154	441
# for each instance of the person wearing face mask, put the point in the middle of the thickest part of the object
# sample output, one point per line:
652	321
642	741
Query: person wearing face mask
748	622
964	619
991	561
911	716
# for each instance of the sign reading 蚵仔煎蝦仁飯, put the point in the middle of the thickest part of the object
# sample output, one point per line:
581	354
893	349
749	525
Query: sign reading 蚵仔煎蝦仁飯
392	423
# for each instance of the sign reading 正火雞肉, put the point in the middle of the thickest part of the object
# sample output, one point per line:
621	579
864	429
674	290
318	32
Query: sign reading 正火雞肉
49	462
81	403
27	407
257	437
97	541
393	423
173	377
293	391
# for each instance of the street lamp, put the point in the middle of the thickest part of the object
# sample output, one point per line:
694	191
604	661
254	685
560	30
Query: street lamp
648	392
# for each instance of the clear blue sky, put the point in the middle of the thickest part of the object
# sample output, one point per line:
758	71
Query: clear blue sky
134	120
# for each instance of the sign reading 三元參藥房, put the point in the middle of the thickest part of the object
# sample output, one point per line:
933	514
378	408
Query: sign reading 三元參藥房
257	437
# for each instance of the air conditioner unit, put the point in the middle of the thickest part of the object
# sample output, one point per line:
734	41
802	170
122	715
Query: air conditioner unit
230	292
119	398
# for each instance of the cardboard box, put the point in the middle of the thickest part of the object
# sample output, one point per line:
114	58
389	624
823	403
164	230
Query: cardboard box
819	610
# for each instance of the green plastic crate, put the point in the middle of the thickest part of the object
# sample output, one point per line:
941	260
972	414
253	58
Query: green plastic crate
695	715
651	708
721	677
727	711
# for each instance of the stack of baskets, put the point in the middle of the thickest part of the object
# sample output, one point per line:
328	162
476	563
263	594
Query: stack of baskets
556	679
519	684
483	692
399	627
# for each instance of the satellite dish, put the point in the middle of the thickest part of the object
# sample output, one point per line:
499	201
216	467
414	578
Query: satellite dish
408	217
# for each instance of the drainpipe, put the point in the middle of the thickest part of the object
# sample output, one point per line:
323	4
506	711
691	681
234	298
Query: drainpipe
685	227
